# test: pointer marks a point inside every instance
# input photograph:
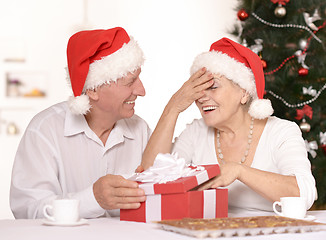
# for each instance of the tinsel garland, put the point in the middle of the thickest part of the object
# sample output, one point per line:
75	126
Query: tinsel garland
298	104
286	26
291	57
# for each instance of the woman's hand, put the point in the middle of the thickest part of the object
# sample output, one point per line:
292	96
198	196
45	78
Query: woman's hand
230	171
191	90
161	139
139	169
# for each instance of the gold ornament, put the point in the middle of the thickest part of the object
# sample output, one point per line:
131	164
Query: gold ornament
280	11
304	126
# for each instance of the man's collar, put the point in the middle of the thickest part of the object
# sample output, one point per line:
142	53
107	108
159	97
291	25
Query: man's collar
124	128
75	124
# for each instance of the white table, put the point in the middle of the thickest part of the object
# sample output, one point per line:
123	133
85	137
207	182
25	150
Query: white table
112	228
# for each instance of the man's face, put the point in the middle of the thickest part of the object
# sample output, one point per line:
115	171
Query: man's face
118	98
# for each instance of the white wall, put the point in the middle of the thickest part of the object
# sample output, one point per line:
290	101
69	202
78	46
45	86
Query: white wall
170	32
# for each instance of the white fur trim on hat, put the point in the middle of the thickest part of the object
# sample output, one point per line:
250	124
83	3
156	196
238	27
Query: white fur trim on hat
79	104
260	108
117	65
221	63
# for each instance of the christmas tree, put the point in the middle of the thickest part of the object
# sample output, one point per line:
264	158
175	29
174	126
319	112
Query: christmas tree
290	38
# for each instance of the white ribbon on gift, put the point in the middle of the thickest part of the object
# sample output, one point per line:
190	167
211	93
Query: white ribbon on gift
209	210
322	137
153	208
166	168
311	147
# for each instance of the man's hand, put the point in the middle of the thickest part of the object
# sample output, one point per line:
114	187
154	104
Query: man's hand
116	192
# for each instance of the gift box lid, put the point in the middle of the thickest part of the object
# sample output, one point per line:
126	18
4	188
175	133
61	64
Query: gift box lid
182	184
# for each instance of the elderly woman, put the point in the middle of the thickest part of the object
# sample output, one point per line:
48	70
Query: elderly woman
262	158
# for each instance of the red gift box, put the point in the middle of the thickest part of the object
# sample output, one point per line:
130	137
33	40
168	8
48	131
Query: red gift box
176	200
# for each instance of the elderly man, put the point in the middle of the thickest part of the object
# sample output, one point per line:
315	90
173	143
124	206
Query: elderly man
85	148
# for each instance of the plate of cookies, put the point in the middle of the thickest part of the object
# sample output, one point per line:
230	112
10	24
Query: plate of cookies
239	227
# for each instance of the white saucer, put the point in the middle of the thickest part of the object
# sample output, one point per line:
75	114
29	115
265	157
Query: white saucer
81	221
309	218
306	218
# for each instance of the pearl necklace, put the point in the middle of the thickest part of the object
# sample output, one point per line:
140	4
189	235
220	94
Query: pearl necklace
243	159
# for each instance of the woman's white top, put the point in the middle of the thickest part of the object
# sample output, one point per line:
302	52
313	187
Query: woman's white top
281	149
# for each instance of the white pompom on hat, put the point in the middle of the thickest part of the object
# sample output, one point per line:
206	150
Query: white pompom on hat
96	57
240	65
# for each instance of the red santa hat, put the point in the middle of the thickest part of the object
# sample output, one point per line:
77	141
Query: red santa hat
96	57
240	65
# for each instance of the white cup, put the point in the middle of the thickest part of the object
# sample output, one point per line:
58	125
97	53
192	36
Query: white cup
292	207
63	210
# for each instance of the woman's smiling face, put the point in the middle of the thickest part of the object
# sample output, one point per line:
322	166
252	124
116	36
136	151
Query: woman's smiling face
221	101
118	98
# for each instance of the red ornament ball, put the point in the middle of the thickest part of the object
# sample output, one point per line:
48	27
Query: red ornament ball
323	147
242	14
303	71
264	63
